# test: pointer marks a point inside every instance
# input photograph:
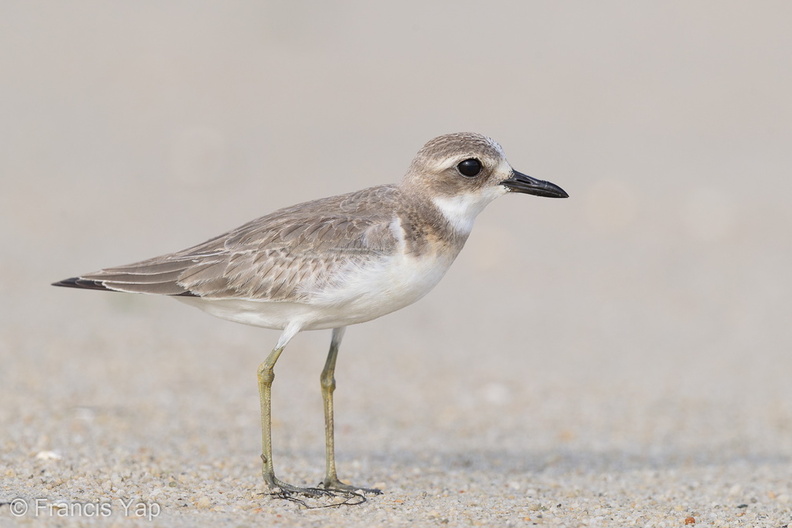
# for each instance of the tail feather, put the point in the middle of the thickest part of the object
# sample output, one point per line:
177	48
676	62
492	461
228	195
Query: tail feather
77	282
164	288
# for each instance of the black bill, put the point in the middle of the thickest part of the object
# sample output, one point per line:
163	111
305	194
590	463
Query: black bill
523	183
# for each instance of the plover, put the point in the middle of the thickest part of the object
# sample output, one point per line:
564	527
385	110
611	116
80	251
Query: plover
333	262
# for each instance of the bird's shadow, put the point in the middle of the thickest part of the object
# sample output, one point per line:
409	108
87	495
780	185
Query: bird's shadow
571	460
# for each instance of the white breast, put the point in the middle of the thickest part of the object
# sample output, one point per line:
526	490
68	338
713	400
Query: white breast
384	286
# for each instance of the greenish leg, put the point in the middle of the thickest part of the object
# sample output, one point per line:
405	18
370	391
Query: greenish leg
327	380
266	375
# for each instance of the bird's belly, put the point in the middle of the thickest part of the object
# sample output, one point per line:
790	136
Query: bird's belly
358	294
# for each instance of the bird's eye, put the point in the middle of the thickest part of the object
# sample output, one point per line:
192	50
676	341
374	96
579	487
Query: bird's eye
469	167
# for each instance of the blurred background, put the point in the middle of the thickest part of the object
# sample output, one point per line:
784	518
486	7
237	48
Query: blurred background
647	314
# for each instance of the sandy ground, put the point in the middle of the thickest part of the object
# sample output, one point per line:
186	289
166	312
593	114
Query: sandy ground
620	358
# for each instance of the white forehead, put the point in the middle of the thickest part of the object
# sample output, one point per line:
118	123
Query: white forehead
496	146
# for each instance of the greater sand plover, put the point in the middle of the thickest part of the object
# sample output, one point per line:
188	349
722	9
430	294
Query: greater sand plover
333	262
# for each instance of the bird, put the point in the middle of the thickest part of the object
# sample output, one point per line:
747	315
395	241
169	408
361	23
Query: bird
334	262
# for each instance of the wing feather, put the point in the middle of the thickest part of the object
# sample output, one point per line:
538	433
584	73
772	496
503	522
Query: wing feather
279	257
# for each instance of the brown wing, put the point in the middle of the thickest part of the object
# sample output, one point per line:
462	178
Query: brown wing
278	257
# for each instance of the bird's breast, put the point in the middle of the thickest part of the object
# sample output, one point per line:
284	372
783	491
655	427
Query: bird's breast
384	284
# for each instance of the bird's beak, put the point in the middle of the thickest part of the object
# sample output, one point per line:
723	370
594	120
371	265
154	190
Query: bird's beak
522	183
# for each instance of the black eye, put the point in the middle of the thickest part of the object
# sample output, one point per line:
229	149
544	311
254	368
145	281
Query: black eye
469	167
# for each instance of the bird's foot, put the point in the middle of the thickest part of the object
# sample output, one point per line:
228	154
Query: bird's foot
348	495
278	488
333	484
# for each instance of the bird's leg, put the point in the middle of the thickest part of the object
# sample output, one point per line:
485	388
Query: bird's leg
266	375
327	379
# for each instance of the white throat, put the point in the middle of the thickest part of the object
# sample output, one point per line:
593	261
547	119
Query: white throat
461	211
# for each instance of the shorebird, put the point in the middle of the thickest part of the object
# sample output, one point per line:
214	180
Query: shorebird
333	262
